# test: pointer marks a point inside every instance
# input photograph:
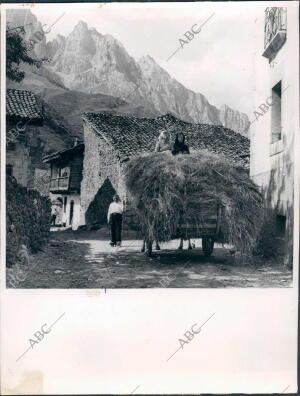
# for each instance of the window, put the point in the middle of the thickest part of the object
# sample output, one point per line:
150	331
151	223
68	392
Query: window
9	170
276	113
58	170
275	21
54	171
275	31
64	171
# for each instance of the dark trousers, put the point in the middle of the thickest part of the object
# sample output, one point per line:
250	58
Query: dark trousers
53	218
116	227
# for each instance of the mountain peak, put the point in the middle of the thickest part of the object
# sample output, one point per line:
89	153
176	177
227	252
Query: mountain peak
60	37
146	62
81	26
92	62
234	119
147	58
94	30
111	39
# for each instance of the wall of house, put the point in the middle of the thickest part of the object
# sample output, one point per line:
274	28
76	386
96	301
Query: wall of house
76	165
27	154
19	159
100	163
272	164
76	211
65	211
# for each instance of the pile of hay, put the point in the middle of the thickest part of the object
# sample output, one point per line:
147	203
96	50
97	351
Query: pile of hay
166	189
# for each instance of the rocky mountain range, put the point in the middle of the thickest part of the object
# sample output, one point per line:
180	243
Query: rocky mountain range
93	63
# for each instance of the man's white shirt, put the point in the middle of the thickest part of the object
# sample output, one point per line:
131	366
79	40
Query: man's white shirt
115	207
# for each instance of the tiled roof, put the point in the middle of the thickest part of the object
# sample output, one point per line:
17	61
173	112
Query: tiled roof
76	150
22	104
132	135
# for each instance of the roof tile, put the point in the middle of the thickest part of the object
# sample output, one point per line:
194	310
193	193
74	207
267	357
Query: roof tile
22	104
132	135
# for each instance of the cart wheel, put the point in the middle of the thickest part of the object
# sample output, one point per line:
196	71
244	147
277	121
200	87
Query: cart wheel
207	246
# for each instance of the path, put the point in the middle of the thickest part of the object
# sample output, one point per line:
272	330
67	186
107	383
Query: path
86	260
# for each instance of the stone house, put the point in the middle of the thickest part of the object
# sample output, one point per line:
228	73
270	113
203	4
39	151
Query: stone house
24	114
65	180
276	122
111	140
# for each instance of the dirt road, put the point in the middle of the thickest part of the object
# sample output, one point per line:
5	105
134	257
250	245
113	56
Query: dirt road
84	259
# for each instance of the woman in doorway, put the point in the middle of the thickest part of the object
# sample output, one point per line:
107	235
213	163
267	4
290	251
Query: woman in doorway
114	219
54	213
180	147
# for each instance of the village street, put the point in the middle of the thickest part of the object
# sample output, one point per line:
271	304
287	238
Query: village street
84	259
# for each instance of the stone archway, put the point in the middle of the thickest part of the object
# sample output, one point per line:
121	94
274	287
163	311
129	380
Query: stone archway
96	213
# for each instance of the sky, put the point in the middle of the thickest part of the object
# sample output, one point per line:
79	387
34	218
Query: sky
217	62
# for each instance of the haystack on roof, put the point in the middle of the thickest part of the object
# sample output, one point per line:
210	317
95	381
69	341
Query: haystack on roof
22	104
131	135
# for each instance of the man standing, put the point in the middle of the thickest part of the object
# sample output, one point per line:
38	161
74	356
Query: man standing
114	218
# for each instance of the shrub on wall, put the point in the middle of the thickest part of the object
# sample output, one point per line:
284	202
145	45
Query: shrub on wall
28	217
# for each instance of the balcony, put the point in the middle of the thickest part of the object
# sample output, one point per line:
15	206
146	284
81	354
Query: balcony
275	31
59	184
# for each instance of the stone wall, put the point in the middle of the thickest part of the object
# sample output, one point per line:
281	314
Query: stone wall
26	153
100	163
42	181
277	186
19	159
28	217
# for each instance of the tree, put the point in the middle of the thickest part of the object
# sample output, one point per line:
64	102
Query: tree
17	51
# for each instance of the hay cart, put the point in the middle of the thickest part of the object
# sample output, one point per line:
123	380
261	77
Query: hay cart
201	195
206	227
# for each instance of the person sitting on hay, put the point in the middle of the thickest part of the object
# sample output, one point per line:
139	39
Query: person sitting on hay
114	219
180	147
163	142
